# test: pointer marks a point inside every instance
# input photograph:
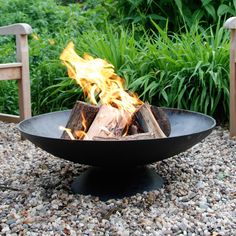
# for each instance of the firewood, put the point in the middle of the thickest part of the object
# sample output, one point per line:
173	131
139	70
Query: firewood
134	128
147	121
109	122
162	119
140	136
81	111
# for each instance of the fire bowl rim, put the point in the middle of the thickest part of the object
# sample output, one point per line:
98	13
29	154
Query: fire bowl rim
20	128
128	152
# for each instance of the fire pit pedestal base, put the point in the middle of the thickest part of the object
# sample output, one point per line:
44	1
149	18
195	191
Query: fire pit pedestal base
116	183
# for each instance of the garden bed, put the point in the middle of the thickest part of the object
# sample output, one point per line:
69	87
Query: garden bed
198	197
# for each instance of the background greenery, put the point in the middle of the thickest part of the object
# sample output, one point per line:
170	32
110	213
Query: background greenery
172	53
181	14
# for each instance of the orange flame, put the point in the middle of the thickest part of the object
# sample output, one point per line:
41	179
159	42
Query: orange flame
97	78
68	131
80	134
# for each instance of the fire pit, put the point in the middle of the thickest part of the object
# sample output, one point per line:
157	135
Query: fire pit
117	133
119	167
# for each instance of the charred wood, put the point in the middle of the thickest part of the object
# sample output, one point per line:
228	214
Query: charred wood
147	121
81	112
162	119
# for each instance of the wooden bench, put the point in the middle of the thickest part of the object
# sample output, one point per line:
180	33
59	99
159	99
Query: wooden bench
18	71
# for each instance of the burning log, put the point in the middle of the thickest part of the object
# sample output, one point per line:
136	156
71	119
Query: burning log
82	116
134	129
109	122
118	116
148	122
90	122
162	119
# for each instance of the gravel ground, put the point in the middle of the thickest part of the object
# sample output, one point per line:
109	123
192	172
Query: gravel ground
198	198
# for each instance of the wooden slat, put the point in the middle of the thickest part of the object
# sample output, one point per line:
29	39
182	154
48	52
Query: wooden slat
16	29
233	105
11	73
230	23
232	117
9	118
24	82
10	65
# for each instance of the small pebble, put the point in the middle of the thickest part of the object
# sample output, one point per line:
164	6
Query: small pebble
198	197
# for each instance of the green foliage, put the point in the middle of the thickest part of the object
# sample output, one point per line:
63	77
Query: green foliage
190	70
53	24
187	70
8	97
48	16
178	13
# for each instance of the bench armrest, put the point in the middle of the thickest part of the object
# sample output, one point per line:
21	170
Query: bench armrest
16	29
230	23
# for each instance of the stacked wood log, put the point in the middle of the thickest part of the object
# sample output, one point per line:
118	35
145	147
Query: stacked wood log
107	123
79	112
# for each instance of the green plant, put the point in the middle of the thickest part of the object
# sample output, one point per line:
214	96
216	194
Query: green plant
187	70
53	25
191	70
9	97
178	13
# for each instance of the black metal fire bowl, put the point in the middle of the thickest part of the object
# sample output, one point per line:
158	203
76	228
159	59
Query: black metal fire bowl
117	163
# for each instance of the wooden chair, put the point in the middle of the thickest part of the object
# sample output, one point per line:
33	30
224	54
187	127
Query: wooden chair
231	24
18	71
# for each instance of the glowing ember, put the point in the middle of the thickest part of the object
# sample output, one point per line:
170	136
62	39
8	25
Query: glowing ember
97	78
80	134
118	109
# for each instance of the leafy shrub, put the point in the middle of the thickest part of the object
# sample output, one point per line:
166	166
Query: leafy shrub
186	71
190	70
178	13
9	97
52	24
48	16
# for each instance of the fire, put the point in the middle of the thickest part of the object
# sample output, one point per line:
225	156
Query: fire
98	80
80	134
68	131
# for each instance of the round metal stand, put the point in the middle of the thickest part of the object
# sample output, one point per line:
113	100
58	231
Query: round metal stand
114	184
